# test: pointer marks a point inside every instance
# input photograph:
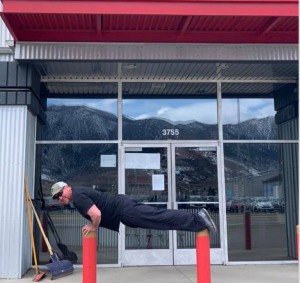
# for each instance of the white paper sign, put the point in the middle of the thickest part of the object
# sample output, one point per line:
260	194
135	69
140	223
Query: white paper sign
108	161
142	161
158	182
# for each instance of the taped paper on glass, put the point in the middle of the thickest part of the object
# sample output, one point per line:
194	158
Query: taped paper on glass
158	182
142	161
108	161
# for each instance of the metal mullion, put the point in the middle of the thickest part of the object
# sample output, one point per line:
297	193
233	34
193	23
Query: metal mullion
262	141
120	114
205	143
77	142
221	176
197	80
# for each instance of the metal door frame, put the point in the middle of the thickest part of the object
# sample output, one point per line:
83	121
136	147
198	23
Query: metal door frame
153	256
188	256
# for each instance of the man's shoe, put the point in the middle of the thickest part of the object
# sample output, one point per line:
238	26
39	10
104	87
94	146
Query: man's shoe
211	226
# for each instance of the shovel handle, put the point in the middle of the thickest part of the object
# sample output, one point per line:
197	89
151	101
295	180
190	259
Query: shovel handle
39	222
30	227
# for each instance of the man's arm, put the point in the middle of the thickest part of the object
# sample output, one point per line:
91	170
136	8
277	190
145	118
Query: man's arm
95	215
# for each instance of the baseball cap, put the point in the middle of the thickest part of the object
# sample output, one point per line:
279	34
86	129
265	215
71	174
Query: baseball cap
57	187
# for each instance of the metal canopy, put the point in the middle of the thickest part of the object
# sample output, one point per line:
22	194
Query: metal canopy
160	21
164	80
161	90
61	71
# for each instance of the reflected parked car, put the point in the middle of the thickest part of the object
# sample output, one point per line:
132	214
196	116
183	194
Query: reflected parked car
53	204
262	204
212	206
237	206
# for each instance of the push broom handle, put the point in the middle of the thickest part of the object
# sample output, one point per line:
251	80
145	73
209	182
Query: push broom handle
30	226
39	223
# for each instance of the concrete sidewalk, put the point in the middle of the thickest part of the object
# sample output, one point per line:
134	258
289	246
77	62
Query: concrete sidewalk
182	274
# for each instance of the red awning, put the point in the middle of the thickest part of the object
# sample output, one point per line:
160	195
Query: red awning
156	21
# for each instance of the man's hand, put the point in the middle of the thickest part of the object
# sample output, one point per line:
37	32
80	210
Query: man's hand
88	228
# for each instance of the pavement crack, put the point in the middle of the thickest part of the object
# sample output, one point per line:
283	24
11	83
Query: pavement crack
183	274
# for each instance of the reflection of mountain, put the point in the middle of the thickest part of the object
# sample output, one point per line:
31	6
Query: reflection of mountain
83	123
260	129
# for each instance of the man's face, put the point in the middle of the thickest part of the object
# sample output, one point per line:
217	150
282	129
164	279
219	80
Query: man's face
63	198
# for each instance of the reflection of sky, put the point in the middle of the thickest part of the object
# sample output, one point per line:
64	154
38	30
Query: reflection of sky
249	109
202	110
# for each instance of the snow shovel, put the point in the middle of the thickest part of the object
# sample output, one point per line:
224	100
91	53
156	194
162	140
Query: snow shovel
69	255
38	274
58	268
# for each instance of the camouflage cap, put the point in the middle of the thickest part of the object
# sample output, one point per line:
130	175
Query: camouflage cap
57	187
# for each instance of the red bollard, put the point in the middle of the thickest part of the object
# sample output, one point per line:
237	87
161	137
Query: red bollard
45	227
298	242
203	256
247	230
89	258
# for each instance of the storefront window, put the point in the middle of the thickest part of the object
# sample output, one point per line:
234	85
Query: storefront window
94	166
151	111
81	119
259	112
261	183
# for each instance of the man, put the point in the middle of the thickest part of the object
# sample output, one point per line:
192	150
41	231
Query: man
108	211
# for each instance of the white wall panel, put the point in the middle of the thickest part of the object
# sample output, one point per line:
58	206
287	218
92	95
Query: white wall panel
15	146
29	172
4	33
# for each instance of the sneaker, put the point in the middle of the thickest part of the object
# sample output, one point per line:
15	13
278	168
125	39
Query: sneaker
211	226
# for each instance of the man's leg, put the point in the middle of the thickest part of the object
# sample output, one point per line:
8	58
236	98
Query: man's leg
145	216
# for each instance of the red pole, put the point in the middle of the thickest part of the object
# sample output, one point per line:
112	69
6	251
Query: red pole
89	258
203	257
247	230
45	227
298	242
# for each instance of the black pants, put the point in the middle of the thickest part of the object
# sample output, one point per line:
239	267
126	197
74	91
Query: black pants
139	215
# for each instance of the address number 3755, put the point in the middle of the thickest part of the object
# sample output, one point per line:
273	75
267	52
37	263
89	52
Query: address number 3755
170	132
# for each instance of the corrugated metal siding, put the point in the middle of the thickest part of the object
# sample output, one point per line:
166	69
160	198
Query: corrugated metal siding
29	171
289	159
6	57
4	33
177	52
12	161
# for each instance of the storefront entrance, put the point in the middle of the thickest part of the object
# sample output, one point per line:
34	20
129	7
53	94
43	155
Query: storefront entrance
174	176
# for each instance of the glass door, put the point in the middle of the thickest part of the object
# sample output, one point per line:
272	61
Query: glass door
195	185
147	179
